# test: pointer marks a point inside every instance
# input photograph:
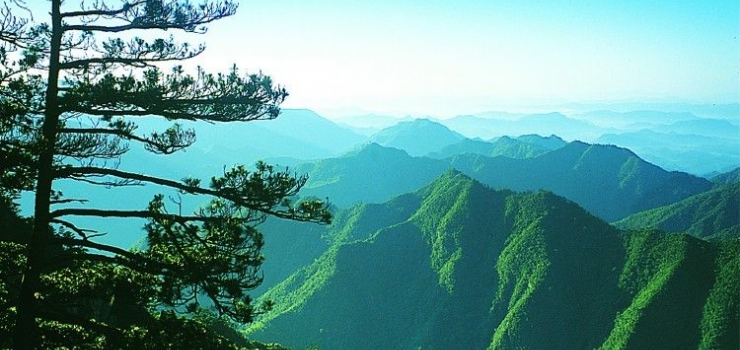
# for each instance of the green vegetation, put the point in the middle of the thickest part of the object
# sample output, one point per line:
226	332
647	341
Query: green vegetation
441	218
503	146
709	215
461	265
720	320
652	259
73	93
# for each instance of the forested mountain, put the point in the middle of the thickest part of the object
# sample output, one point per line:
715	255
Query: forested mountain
418	137
457	265
710	215
550	142
729	177
503	146
609	181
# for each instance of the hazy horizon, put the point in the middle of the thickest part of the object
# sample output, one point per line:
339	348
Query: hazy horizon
444	58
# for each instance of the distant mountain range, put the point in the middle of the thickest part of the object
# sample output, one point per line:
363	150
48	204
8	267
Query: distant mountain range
610	182
543	124
693	153
527	146
457	265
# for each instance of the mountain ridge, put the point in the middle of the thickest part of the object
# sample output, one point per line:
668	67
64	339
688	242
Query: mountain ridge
497	267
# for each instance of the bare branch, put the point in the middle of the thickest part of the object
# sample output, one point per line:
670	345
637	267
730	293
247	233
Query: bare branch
80	231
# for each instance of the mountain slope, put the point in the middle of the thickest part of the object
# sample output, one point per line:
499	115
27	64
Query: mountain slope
372	173
551	142
713	214
608	181
462	266
729	177
696	154
503	146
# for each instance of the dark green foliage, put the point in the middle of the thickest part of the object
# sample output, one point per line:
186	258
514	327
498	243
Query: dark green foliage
714	214
98	306
71	93
463	266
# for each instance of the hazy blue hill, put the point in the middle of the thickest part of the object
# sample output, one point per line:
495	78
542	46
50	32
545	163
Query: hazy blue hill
543	124
372	173
694	154
706	127
729	177
609	181
460	266
310	128
295	134
710	215
502	146
418	137
375	122
551	142
632	119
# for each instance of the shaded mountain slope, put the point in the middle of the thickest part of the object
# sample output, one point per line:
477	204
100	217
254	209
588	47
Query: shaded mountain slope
462	266
504	146
370	174
729	177
609	181
709	215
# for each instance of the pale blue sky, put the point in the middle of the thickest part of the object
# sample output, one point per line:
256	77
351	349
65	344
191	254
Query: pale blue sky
441	57
446	57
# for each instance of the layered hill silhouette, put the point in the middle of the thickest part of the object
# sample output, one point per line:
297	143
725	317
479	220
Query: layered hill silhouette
695	153
370	174
458	265
418	137
489	125
609	181
710	215
528	146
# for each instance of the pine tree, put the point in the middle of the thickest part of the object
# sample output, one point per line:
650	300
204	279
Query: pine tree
71	91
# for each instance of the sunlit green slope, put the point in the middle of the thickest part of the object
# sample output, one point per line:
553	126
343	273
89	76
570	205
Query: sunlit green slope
710	215
458	265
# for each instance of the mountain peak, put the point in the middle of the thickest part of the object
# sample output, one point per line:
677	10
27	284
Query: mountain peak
417	137
373	149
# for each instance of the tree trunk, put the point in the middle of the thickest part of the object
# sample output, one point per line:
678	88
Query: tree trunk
26	334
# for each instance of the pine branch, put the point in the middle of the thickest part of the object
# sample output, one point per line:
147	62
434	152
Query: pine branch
263	205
